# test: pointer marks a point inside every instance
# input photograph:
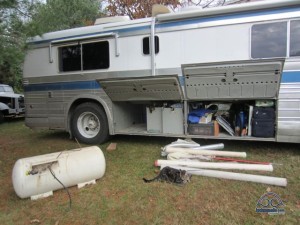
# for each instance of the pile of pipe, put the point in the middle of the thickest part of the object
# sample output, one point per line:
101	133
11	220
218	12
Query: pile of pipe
201	160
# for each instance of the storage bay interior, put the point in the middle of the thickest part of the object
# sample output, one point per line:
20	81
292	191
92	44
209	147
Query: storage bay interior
148	117
247	118
168	117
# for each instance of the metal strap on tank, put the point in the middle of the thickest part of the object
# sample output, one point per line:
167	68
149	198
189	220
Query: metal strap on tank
105	35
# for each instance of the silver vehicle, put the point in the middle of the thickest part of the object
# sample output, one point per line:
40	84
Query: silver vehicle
11	104
231	72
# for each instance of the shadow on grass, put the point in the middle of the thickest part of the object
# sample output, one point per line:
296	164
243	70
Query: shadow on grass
141	139
230	145
12	120
54	135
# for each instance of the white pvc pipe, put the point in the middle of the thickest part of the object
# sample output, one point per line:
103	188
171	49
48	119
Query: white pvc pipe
206	152
213	165
183	145
278	181
211	147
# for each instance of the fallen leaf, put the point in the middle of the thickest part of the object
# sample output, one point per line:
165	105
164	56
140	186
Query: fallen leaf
35	221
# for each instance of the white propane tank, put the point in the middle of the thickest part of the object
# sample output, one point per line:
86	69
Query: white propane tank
32	176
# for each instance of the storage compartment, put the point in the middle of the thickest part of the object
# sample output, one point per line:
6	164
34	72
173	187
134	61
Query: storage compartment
167	120
202	129
129	118
242	118
154	119
172	120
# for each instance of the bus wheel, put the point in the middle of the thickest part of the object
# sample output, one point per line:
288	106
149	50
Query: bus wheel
89	124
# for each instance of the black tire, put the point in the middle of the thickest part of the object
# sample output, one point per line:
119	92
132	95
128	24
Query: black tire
89	124
1	117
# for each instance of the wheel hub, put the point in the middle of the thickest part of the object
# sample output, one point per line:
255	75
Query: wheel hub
88	124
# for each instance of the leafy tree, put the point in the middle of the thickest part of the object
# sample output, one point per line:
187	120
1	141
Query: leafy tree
64	14
14	15
21	19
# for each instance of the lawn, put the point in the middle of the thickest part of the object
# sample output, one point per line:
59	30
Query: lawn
121	197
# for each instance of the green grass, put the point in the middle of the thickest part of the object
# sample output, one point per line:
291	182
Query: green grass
121	197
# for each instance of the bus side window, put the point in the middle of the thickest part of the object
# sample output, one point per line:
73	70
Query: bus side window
146	45
87	56
295	38
95	55
70	58
269	40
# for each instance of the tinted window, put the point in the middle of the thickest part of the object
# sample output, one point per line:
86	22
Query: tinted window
295	38
95	55
8	101
88	56
70	58
269	40
146	45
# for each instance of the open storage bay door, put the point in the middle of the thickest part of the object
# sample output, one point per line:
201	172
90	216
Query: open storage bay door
233	80
143	89
142	105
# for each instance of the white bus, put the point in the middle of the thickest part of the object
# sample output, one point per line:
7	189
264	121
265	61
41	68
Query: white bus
231	72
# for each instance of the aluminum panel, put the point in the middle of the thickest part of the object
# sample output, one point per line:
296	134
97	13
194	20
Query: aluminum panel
140	89
240	80
288	128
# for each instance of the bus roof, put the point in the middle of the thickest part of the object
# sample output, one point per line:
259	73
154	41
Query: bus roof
207	12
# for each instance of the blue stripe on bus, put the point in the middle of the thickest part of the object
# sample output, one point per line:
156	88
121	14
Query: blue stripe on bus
77	85
287	77
290	77
187	22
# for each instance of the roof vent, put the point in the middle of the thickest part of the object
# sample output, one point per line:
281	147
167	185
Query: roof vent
159	9
114	19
